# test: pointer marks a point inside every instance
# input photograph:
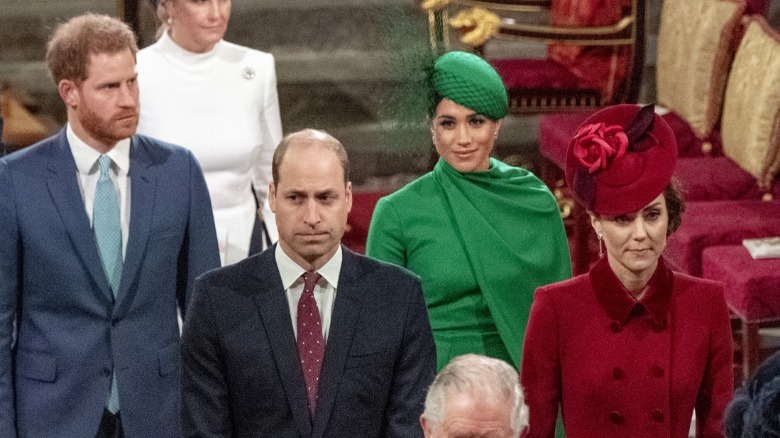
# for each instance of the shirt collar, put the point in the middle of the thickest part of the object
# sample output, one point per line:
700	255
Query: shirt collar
618	303
291	271
86	156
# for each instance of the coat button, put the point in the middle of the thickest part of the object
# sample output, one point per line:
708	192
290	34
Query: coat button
657	415
616	326
615	417
657	371
658	326
618	373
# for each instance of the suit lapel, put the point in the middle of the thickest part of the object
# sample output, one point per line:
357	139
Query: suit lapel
142	197
342	329
66	195
275	317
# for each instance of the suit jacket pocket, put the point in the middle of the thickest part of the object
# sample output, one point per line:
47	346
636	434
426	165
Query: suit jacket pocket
169	359
377	358
36	365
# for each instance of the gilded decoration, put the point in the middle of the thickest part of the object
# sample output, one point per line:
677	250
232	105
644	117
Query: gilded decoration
434	5
476	25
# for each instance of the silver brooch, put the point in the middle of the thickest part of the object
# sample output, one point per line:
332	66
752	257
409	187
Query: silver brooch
249	73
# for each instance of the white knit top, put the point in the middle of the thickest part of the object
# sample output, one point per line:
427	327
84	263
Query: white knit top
222	105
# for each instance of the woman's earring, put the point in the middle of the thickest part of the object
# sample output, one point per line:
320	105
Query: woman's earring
601	247
169	21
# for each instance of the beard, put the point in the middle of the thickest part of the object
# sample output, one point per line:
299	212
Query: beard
108	131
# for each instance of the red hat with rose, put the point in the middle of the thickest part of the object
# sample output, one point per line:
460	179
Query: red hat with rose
621	158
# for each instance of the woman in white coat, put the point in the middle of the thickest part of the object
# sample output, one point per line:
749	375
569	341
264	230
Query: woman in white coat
219	100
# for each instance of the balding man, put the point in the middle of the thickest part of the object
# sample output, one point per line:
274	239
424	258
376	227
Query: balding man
475	396
307	339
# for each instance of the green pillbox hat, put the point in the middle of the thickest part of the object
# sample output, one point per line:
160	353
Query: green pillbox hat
469	80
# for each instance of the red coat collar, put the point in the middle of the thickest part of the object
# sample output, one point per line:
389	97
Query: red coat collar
620	305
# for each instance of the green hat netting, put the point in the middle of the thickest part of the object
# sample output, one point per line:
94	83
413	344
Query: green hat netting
469	80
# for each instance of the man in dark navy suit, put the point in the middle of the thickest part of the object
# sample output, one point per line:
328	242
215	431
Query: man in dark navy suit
102	233
307	339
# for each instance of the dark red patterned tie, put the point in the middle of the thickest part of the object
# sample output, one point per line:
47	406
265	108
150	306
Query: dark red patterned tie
311	345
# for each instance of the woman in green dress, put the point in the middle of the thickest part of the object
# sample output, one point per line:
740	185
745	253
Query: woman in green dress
481	234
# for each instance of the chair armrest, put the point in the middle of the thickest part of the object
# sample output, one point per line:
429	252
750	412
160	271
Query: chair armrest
616	34
507	5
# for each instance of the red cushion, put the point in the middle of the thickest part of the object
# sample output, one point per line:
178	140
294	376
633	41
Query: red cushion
359	219
713	178
688	145
751	286
706	224
556	132
534	74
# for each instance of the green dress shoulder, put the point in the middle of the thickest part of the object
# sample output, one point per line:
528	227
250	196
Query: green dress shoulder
481	242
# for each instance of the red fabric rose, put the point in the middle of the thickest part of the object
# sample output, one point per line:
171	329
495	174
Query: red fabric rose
595	146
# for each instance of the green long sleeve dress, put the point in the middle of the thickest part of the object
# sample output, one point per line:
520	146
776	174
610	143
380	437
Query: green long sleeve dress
482	242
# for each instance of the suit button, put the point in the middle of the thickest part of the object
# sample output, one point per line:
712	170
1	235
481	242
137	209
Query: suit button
618	373
114	323
658	326
657	371
616	326
106	372
657	415
615	417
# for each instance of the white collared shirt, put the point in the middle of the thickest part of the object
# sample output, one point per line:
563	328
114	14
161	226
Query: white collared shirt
324	291
88	173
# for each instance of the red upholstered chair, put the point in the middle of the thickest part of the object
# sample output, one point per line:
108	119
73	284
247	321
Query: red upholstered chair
749	126
714	223
696	44
746	176
752	289
359	218
595	48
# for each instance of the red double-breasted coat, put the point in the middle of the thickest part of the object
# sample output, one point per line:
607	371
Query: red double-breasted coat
625	368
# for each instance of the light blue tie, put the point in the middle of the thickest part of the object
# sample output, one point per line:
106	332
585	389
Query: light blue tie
108	234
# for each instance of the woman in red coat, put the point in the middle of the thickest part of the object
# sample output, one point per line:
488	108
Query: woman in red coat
630	349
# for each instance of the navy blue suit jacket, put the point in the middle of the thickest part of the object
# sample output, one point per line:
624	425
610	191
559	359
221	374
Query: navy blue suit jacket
241	372
70	334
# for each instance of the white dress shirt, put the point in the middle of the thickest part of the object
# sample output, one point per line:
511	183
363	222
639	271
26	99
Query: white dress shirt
324	291
88	172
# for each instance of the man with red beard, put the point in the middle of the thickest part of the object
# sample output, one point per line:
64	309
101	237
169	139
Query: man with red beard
102	233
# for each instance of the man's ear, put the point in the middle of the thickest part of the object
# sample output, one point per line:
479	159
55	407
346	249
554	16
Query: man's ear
69	93
349	196
427	427
272	196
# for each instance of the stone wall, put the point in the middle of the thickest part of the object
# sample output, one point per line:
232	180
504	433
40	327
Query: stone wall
335	69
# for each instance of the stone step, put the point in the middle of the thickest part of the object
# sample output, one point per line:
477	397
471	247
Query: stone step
362	26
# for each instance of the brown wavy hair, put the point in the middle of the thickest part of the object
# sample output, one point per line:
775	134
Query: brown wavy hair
73	42
675	205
